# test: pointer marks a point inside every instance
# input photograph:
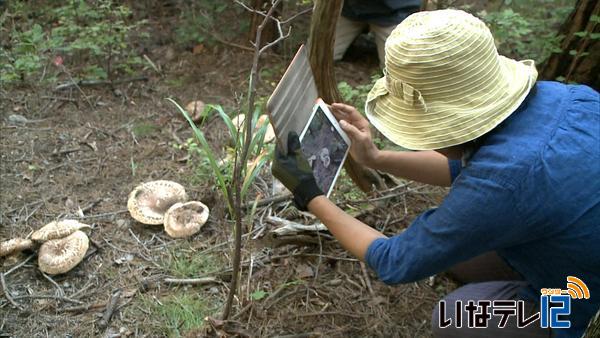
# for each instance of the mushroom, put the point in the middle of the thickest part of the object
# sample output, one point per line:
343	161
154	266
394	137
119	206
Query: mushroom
270	133
324	156
238	121
14	245
195	109
61	255
185	219
58	229
149	201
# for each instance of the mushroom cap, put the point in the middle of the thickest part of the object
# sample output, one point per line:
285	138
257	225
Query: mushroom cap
149	201
238	121
58	229
270	133
324	156
14	245
61	255
195	109
185	219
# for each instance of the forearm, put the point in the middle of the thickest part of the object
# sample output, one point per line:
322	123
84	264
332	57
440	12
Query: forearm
428	167
353	235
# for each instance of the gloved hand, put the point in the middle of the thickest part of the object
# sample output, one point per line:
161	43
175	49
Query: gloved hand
295	173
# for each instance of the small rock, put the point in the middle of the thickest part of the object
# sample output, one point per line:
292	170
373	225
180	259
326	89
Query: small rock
17	119
121	223
213	290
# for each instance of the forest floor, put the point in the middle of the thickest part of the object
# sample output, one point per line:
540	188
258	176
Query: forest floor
83	149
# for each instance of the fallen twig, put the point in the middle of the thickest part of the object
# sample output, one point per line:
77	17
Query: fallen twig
192	281
88	83
330	313
266	201
7	293
61	293
288	227
64	299
363	267
114	213
110	309
85	307
19	265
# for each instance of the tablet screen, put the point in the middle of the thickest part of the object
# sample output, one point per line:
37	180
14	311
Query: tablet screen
325	150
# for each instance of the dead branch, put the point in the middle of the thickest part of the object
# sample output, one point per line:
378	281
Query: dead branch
192	281
7	293
363	267
110	309
89	83
64	299
85	307
19	265
266	201
330	313
240	163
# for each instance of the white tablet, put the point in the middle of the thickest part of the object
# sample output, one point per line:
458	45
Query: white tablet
325	146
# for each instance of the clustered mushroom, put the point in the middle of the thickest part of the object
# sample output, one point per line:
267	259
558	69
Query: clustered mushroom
58	256
12	246
165	202
63	245
238	122
149	201
185	219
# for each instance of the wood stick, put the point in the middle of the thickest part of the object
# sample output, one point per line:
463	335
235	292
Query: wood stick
83	83
192	281
265	201
110	309
85	307
64	299
7	293
329	313
19	265
363	267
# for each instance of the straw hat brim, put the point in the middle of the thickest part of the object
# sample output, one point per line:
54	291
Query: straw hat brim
440	124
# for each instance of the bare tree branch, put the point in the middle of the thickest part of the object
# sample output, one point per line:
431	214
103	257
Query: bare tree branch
240	161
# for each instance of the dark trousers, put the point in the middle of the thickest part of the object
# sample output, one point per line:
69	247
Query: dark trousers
486	277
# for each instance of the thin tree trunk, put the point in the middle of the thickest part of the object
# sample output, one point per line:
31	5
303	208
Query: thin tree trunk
579	60
320	44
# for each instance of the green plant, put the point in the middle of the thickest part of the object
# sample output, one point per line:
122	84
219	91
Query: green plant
258	294
175	315
186	263
144	129
357	96
134	167
199	19
522	31
222	170
92	34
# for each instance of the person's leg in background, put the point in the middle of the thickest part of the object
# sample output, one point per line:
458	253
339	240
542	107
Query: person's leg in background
381	34
498	290
483	268
346	31
490	279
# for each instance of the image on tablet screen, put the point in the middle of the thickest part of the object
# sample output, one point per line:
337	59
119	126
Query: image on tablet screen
324	149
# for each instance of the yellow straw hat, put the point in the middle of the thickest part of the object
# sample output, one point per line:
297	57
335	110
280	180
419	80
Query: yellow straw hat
444	83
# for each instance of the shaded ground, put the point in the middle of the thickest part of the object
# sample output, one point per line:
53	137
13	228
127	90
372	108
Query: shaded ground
85	150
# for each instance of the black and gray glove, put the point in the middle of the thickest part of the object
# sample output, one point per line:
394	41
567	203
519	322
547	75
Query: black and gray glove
295	173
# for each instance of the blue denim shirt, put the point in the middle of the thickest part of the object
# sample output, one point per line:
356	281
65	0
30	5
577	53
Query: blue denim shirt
531	192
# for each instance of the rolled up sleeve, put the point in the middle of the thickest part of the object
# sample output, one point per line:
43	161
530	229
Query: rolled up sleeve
477	216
